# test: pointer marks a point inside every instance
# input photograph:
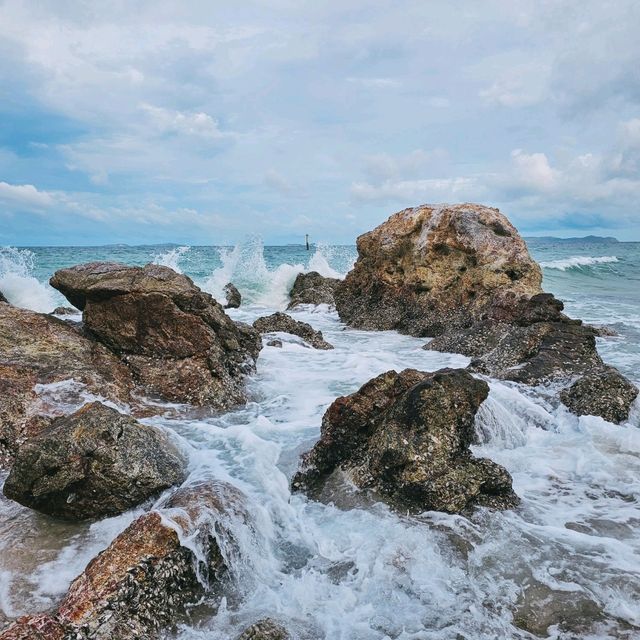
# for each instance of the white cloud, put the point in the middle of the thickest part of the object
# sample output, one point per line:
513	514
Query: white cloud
418	191
197	124
25	196
533	170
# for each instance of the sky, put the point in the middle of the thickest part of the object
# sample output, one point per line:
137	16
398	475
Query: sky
200	122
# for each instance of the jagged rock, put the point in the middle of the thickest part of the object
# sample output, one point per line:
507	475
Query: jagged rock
142	582
95	462
604	331
64	311
406	436
39	349
37	627
282	322
232	295
604	392
2	298
266	629
312	288
176	339
436	267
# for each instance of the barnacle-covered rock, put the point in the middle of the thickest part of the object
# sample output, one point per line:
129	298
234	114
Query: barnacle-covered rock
282	322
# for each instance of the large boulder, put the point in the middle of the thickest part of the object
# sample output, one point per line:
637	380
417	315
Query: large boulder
232	295
176	339
312	288
604	392
406	437
95	462
282	322
436	267
37	350
144	580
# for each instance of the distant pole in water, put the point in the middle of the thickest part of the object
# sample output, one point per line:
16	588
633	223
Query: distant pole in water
306	240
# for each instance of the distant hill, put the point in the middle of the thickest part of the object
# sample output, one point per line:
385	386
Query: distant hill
599	239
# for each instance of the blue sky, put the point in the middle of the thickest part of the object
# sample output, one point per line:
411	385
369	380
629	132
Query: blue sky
200	122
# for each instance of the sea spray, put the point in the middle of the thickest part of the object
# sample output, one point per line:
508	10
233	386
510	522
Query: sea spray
171	258
19	285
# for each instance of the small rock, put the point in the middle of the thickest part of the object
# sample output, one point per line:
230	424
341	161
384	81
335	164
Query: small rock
275	343
95	462
2	298
605	331
266	629
232	295
65	311
282	322
406	437
605	393
312	288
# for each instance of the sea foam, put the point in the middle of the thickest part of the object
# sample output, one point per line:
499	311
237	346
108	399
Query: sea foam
18	283
577	262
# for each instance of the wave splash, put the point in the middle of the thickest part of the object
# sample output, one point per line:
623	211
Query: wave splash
577	262
171	258
19	285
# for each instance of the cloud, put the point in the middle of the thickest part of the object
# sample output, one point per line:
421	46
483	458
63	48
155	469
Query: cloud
25	196
197	124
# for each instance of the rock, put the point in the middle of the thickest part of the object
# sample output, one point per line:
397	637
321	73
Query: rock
176	339
37	627
282	322
436	267
95	462
39	349
266	629
605	331
64	311
605	393
2	298
275	343
144	580
232	295
406	437
312	288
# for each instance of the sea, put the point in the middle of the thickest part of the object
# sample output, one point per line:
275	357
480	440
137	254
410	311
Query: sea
565	564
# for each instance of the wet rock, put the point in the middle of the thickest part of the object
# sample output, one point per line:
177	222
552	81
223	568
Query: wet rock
64	311
144	580
37	627
266	629
176	339
605	393
2	298
406	437
95	462
282	322
604	331
275	343
312	288
39	349
233	296
436	267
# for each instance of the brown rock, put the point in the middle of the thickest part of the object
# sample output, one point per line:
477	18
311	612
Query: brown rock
64	311
436	267
95	462
282	322
234	299
406	436
37	627
266	629
177	339
604	392
312	288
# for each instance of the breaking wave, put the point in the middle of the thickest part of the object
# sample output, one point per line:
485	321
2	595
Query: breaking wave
19	284
577	262
171	258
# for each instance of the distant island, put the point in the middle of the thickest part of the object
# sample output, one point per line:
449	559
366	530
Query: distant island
600	239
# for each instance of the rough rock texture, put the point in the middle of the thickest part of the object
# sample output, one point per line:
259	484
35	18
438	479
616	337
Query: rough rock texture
406	436
2	298
312	288
64	311
176	339
38	349
266	629
37	627
145	578
436	267
605	393
232	295
282	322
95	462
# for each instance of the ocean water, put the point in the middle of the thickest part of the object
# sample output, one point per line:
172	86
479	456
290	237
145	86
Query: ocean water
564	564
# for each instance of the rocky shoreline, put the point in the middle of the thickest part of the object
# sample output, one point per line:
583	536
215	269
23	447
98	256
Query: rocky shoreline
458	274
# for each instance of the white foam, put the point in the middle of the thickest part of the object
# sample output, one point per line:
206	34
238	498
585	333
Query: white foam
19	285
171	258
577	262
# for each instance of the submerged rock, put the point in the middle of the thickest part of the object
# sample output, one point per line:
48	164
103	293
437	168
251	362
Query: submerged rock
406	436
232	295
313	288
604	392
266	629
95	462
282	322
64	311
144	580
436	267
39	349
176	339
